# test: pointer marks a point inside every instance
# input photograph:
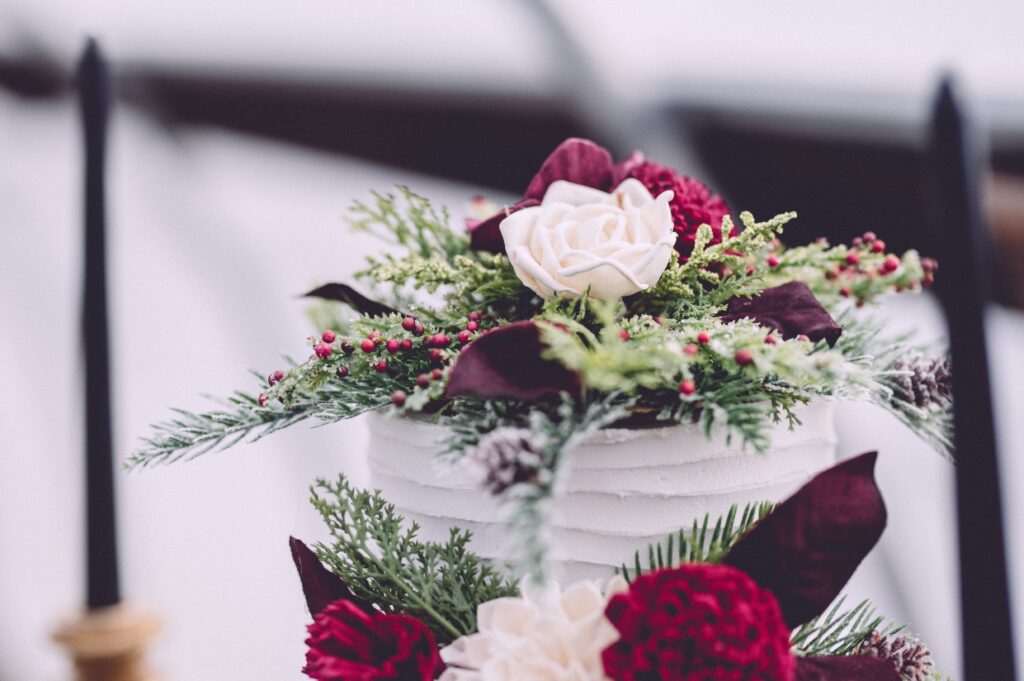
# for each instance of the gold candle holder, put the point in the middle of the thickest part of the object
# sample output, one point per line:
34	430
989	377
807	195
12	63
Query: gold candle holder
109	644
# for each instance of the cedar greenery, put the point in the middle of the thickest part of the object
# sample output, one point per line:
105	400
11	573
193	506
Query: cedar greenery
635	380
698	545
386	564
190	434
839	631
713	273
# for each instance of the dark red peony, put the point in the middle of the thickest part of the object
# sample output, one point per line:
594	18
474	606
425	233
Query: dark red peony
692	203
347	643
698	623
583	162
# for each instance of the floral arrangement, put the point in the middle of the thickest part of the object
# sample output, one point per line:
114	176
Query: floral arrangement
612	293
749	600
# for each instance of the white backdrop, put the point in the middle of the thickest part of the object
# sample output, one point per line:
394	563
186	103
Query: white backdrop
211	236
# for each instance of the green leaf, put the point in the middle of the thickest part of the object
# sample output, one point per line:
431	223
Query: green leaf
696	545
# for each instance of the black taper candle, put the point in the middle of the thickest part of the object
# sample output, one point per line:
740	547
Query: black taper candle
954	170
103	584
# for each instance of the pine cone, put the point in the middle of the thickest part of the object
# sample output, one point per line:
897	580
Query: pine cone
506	457
910	657
927	384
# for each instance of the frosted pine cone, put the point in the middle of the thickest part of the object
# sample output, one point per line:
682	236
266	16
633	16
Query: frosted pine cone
928	382
910	657
506	457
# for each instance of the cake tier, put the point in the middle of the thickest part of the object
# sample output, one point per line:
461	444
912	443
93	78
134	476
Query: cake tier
623	490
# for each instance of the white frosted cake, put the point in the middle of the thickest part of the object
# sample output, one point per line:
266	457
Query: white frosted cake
624	488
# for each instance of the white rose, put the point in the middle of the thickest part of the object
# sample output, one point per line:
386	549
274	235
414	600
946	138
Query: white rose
557	636
617	243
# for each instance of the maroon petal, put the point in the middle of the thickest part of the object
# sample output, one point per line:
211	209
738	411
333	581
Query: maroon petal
791	309
485	235
808	547
320	586
846	668
575	160
507	363
343	293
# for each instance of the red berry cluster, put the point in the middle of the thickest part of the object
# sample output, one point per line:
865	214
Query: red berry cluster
687	386
379	349
382	348
273	379
867	261
930	266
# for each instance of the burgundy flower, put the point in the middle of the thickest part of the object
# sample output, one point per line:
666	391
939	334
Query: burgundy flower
698	623
320	586
507	364
343	293
692	203
808	547
348	644
584	162
791	309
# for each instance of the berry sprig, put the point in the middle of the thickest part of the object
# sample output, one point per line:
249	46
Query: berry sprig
689	358
860	272
405	354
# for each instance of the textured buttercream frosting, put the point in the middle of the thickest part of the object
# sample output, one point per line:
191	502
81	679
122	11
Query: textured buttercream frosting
623	489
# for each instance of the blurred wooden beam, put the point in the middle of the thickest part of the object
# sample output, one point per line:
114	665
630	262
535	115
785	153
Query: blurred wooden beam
1004	204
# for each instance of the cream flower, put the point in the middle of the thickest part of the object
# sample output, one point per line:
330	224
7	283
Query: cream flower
617	243
555	636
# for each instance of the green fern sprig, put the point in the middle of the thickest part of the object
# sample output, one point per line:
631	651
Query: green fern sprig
702	543
384	562
410	221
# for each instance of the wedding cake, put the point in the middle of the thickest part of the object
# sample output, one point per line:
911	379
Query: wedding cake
565	401
624	488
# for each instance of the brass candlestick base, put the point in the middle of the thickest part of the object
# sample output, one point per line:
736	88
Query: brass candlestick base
109	644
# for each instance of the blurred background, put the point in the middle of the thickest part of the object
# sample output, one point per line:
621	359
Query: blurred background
244	130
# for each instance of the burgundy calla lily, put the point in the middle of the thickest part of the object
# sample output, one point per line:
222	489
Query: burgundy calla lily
320	586
507	363
575	160
486	234
791	309
343	293
806	549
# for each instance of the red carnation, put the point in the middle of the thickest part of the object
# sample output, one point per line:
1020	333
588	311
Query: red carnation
698	623
692	203
347	643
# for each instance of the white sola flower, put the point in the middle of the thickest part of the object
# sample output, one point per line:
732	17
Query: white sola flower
551	636
616	243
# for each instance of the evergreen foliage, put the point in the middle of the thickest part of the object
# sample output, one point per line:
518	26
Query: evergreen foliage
384	562
190	434
703	543
840	631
